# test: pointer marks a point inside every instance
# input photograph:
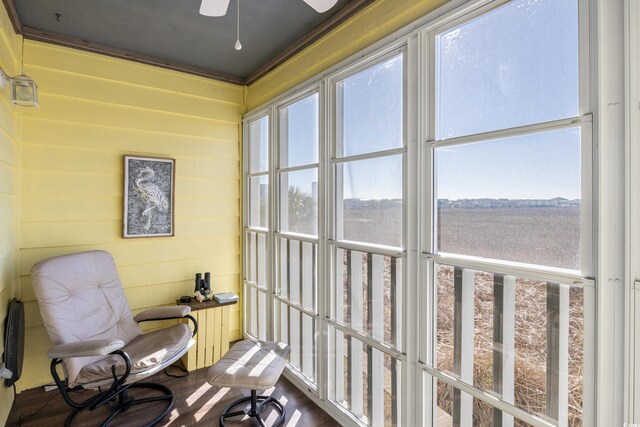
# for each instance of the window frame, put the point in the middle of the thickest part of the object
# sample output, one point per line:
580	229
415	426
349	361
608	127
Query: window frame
418	251
428	253
248	285
279	169
334	159
277	232
388	52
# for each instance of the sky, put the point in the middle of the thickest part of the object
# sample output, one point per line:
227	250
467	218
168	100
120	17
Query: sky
513	66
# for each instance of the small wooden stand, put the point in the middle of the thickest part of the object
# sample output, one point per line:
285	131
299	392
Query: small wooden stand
213	333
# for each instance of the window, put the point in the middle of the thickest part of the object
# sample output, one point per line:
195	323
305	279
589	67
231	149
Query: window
296	294
513	66
519	338
368	168
370	109
368	188
258	173
504	260
515	199
256	266
418	224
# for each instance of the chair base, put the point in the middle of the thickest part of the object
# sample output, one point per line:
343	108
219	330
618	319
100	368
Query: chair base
257	405
122	402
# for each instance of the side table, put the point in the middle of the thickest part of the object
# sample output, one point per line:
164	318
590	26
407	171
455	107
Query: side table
213	333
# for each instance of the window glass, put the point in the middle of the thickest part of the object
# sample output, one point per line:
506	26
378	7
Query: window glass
258	201
365	381
511	336
370	109
369	201
299	201
368	294
514	199
256	267
298	272
259	145
513	66
297	329
299	133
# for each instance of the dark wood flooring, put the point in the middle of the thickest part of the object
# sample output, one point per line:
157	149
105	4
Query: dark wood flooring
197	403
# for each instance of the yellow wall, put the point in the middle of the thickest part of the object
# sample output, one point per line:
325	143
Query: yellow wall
93	110
9	159
373	23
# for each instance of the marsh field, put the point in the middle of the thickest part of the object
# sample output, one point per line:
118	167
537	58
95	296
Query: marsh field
548	236
541	235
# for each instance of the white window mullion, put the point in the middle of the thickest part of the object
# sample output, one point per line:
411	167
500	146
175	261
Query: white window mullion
272	242
323	270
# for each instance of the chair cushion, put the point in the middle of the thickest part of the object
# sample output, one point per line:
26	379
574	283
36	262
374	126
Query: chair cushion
250	365
146	352
81	298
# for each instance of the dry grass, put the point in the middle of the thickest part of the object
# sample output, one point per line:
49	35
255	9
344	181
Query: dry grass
530	345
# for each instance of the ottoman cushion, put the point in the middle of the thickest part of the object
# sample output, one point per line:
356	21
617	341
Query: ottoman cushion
250	365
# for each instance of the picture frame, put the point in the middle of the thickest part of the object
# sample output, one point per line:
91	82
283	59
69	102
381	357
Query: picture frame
149	197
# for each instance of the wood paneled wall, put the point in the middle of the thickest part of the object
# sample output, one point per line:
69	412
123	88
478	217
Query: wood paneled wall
10	47
93	110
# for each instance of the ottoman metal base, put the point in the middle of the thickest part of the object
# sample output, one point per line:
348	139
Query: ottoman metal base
258	404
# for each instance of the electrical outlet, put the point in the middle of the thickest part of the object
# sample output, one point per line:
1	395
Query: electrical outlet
4	372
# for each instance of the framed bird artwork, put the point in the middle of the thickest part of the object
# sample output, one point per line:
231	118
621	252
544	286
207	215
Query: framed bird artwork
149	186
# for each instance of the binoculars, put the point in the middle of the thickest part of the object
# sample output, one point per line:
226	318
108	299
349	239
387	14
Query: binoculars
203	285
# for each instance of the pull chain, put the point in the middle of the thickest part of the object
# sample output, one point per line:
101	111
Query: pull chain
238	45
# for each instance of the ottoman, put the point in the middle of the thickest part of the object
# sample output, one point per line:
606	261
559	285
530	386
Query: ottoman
253	366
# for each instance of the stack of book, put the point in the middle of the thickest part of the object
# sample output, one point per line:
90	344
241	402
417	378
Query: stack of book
225	297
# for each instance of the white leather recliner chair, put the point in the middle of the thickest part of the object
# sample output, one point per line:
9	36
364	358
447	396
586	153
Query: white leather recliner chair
97	339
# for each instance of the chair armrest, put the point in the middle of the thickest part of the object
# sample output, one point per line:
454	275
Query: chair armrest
158	313
85	348
169	312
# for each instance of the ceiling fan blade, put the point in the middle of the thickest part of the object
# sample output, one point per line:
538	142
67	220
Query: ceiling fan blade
321	6
214	7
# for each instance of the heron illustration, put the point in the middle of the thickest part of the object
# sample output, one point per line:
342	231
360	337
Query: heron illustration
151	194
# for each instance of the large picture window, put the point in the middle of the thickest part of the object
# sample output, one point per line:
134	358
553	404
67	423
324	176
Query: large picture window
419	224
504	259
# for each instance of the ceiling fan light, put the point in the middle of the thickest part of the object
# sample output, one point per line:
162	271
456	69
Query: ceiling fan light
321	6
214	7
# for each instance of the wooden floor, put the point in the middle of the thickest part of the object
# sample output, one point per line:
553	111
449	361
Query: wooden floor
197	403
